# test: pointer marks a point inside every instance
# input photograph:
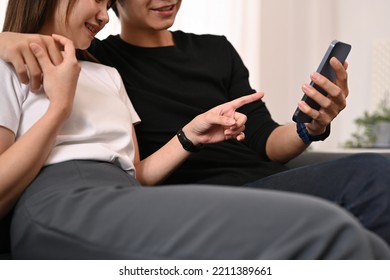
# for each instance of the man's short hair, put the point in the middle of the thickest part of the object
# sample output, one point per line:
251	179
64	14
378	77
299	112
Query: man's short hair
115	9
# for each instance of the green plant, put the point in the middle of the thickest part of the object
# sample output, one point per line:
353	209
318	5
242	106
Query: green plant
365	136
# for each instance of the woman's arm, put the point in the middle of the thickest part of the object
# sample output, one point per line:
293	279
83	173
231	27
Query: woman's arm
21	160
218	124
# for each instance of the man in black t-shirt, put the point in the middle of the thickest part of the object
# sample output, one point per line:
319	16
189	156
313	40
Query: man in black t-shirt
173	76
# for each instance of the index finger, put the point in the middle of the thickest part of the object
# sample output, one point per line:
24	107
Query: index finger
53	50
33	70
20	69
338	67
341	73
241	101
69	49
42	57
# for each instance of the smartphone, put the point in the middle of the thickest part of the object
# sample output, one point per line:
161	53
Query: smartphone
336	49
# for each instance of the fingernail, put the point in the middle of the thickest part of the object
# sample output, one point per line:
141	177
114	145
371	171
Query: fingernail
34	48
315	75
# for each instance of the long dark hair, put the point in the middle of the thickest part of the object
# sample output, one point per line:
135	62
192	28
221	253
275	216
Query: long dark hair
29	16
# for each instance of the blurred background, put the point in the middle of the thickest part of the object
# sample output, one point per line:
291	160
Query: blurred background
282	41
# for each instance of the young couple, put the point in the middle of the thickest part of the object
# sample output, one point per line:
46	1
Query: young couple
69	154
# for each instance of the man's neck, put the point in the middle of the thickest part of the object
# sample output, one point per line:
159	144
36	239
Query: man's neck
148	39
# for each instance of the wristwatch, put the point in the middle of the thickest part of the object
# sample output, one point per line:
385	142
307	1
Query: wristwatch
307	138
187	144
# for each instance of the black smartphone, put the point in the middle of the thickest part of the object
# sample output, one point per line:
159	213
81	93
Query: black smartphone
336	49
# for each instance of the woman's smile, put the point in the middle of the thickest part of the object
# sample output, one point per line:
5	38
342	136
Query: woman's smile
92	29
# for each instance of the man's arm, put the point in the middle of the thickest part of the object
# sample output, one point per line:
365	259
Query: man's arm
284	142
14	48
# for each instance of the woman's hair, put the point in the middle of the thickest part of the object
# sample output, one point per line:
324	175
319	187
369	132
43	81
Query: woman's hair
29	16
26	16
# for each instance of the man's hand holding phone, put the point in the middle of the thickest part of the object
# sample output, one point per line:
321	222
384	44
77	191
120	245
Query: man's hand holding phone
325	97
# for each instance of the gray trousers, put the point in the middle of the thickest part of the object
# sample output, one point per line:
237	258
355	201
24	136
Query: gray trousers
94	210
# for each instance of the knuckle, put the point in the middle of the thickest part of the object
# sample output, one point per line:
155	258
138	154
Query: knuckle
23	76
20	69
344	76
343	105
327	120
327	104
77	66
338	93
35	74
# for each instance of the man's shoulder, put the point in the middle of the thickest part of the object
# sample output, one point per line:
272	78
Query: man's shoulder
210	42
107	50
97	43
181	35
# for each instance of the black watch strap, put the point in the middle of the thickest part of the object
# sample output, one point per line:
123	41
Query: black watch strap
186	143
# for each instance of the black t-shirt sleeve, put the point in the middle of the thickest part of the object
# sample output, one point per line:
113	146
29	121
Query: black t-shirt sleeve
260	123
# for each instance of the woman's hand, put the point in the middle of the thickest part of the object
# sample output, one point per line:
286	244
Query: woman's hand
59	81
15	49
220	123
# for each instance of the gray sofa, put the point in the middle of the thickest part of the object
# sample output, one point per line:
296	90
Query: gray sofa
304	159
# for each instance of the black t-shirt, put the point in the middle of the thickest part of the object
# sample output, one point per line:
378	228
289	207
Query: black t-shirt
169	86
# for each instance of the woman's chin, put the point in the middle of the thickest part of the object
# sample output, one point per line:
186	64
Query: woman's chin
83	45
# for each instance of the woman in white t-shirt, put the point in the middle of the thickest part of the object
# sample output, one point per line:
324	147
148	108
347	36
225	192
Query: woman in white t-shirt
89	110
69	157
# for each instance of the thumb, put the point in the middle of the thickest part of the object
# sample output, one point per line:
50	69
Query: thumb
224	121
209	119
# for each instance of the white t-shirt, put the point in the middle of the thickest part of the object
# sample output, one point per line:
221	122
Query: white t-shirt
99	127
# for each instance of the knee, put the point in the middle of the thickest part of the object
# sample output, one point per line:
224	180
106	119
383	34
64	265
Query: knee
369	170
312	228
371	161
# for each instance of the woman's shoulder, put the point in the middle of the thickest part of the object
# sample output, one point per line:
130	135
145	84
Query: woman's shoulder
6	68
100	72
98	68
